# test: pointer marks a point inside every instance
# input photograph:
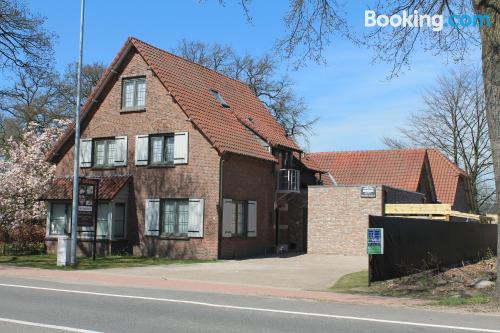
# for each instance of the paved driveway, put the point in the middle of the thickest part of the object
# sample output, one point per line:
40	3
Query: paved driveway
305	272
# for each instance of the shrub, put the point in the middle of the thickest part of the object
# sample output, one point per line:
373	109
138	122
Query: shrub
26	238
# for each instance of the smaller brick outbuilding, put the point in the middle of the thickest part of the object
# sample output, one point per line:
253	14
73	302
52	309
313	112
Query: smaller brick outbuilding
423	170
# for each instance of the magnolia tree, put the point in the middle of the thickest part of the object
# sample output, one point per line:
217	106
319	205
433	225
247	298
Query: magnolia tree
25	175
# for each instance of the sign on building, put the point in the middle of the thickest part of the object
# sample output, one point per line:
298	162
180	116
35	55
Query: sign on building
368	192
375	244
87	201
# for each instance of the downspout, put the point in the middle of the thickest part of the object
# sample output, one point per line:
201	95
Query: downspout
221	206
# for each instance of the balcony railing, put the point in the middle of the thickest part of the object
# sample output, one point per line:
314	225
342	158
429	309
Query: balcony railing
289	180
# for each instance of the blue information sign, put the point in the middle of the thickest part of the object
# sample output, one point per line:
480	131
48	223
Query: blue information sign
375	239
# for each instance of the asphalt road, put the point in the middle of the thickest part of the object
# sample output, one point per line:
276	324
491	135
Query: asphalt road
37	306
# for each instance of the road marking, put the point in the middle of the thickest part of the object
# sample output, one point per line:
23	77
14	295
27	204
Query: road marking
245	308
54	327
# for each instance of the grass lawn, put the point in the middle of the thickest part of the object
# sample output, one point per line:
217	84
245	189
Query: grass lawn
442	289
351	281
49	262
460	300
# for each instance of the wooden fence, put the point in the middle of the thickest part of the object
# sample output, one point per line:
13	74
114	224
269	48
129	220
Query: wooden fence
441	212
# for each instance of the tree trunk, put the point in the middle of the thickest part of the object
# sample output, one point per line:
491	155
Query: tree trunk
490	41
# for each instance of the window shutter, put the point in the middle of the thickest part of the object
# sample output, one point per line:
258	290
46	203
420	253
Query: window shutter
181	148
195	227
252	219
227	218
141	149
121	151
152	218
85	153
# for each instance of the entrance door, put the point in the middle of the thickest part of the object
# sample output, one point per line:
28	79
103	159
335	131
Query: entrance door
283	232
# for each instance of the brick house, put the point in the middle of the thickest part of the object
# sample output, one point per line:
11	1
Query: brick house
399	176
403	172
420	170
190	162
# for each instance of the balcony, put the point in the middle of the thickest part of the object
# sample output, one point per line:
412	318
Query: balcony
288	180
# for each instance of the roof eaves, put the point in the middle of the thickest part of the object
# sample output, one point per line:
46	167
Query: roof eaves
270	158
53	154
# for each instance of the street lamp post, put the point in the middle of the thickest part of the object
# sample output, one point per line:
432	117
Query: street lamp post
74	208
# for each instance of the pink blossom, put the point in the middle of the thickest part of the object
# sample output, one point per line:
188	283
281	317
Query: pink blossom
25	175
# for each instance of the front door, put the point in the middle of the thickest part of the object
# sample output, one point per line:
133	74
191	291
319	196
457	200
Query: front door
283	232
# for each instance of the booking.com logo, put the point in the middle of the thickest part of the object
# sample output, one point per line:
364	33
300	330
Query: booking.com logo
416	20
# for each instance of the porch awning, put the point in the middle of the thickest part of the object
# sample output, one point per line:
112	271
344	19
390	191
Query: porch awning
109	186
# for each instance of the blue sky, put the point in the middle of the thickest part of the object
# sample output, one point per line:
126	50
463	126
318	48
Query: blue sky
356	105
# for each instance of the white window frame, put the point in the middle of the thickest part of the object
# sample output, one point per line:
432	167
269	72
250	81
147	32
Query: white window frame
135	99
154	217
109	221
178	149
229	218
66	219
86	233
164	149
236	214
176	232
109	161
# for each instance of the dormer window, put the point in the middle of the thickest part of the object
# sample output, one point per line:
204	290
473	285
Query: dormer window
219	98
134	93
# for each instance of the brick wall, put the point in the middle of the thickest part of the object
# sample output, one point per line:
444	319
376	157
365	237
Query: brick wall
338	219
198	179
250	179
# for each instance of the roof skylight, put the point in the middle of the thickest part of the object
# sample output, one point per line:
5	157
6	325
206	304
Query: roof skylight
219	98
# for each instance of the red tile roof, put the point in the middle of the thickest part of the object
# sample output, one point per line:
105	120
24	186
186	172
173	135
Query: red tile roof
109	186
396	168
308	162
190	84
445	174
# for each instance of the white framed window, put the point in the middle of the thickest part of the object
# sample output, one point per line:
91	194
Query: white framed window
59	218
239	218
111	221
134	93
162	149
103	220
175	217
103	153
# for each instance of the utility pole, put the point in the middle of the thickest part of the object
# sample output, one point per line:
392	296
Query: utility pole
74	208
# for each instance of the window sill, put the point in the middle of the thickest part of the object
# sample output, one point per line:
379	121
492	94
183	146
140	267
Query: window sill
85	239
173	237
237	237
159	166
133	110
55	237
102	168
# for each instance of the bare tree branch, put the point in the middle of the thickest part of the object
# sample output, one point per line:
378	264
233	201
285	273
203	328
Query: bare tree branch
454	122
24	43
